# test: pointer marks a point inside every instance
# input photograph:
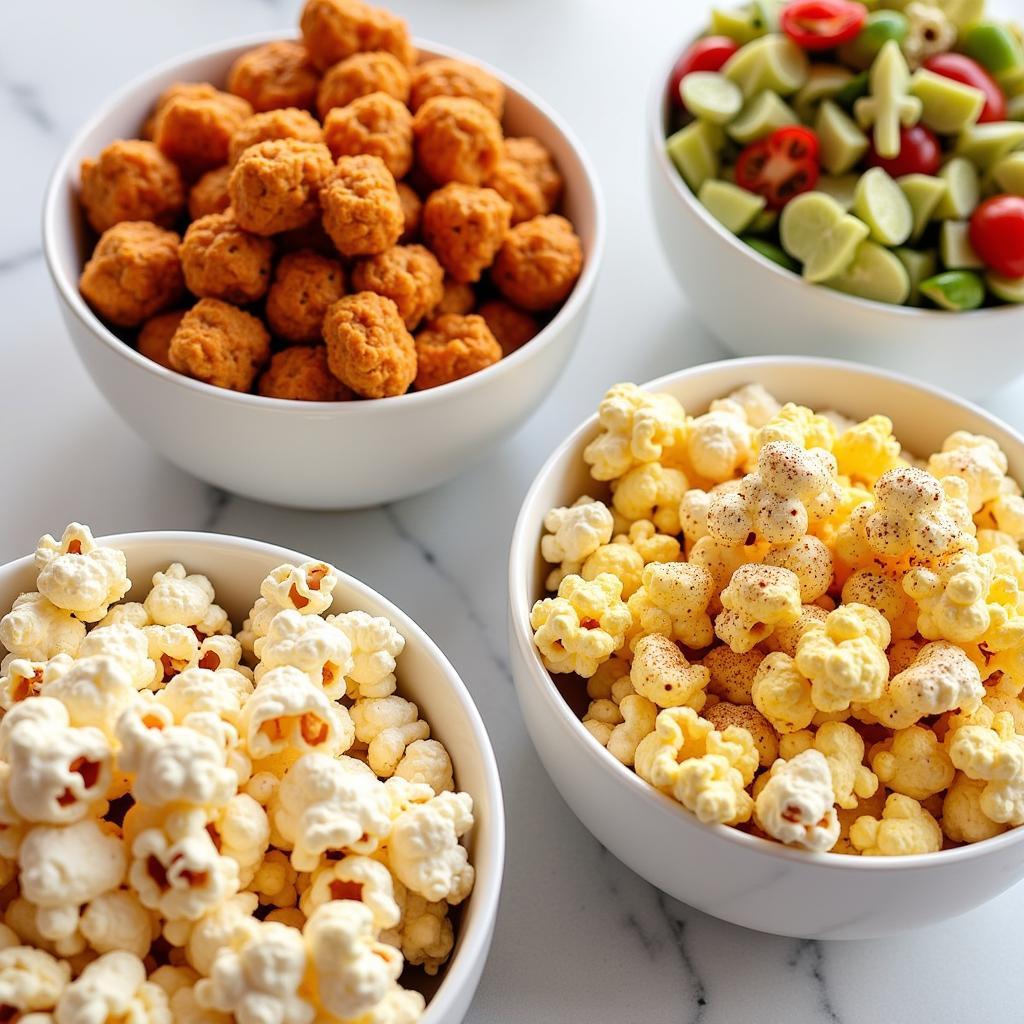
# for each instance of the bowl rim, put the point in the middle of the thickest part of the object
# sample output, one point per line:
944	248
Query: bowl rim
60	184
657	97
523	550
476	940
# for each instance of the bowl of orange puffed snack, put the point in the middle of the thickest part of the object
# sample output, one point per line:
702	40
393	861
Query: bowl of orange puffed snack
767	632
235	783
366	256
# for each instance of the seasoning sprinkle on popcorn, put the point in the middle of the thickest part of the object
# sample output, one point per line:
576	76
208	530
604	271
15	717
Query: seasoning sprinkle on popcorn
790	625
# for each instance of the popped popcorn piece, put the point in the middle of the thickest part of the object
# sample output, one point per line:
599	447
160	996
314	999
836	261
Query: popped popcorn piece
731	675
787	638
811	560
673	601
601	717
679	734
913	762
1005	512
94	690
215	928
743	716
941	678
172	649
783	694
424	851
754	401
79	575
637	428
844	657
994	755
350	970
843	747
388	725
310	644
611	680
178	598
241	830
799	426
714	790
426	761
651	491
722	560
23	678
638	720
574	534
358	878
197	690
757	599
128	645
581	627
425	935
720	443
796	804
113	988
963	819
38	630
661	673
904	828
31	980
976	460
117	920
883	590
376	645
867	449
276	880
625	557
326	803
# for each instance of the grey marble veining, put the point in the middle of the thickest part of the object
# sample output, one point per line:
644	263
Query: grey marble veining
580	939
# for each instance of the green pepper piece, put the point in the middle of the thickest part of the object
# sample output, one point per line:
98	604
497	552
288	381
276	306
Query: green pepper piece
771	251
947	107
1009	289
880	27
993	46
876	274
694	150
848	95
842	142
955	290
760	117
730	205
955	247
920	264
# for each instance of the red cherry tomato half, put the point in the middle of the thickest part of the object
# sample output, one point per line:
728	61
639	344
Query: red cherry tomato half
920	153
997	234
780	166
822	24
707	54
969	72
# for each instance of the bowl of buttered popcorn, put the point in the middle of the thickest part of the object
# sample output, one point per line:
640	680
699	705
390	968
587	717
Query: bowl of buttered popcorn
767	629
235	783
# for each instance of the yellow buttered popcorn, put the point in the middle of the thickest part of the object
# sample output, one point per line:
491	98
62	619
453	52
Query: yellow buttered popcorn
814	627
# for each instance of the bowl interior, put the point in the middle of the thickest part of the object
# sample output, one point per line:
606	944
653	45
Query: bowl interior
236	568
922	418
68	240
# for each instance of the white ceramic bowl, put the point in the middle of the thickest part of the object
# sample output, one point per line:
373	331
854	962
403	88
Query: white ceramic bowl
720	870
305	454
757	308
236	567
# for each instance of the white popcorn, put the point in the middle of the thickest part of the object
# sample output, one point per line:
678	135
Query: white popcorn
220	692
242	832
376	645
131	613
796	804
757	404
214	929
77	574
388	725
23	678
173	649
111	990
310	644
424	850
425	934
399	1006
576	532
220	653
126	644
327	803
427	761
36	629
94	690
30	979
359	878
178	598
308	588
118	921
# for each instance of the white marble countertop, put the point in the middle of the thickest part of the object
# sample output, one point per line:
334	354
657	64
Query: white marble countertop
580	938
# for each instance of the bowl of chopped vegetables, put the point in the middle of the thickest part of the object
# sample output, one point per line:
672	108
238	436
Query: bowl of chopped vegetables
829	179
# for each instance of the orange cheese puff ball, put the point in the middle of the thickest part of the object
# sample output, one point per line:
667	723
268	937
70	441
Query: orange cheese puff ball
512	327
131	180
528	178
368	348
412	210
377	124
286	123
273	75
134	272
301	373
362	209
409	275
335	29
221	260
538	263
465	226
155	336
220	344
456	298
444	76
305	285
210	193
359	75
193	125
451	347
457	139
275	185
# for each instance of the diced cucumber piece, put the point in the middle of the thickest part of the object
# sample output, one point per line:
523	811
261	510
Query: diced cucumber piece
823	82
772	252
882	205
923	192
919	264
1008	174
889	106
730	205
947	107
762	115
842	188
764	222
842	142
770	62
874	273
986	144
956	290
815	230
955	247
993	46
1009	289
963	190
742	23
880	27
711	96
848	95
694	151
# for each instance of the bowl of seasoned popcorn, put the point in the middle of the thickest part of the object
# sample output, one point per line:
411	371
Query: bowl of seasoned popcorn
837	181
767	631
367	257
234	781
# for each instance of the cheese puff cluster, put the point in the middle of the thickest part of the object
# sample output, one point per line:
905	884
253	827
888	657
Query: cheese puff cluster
788	623
199	826
342	193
